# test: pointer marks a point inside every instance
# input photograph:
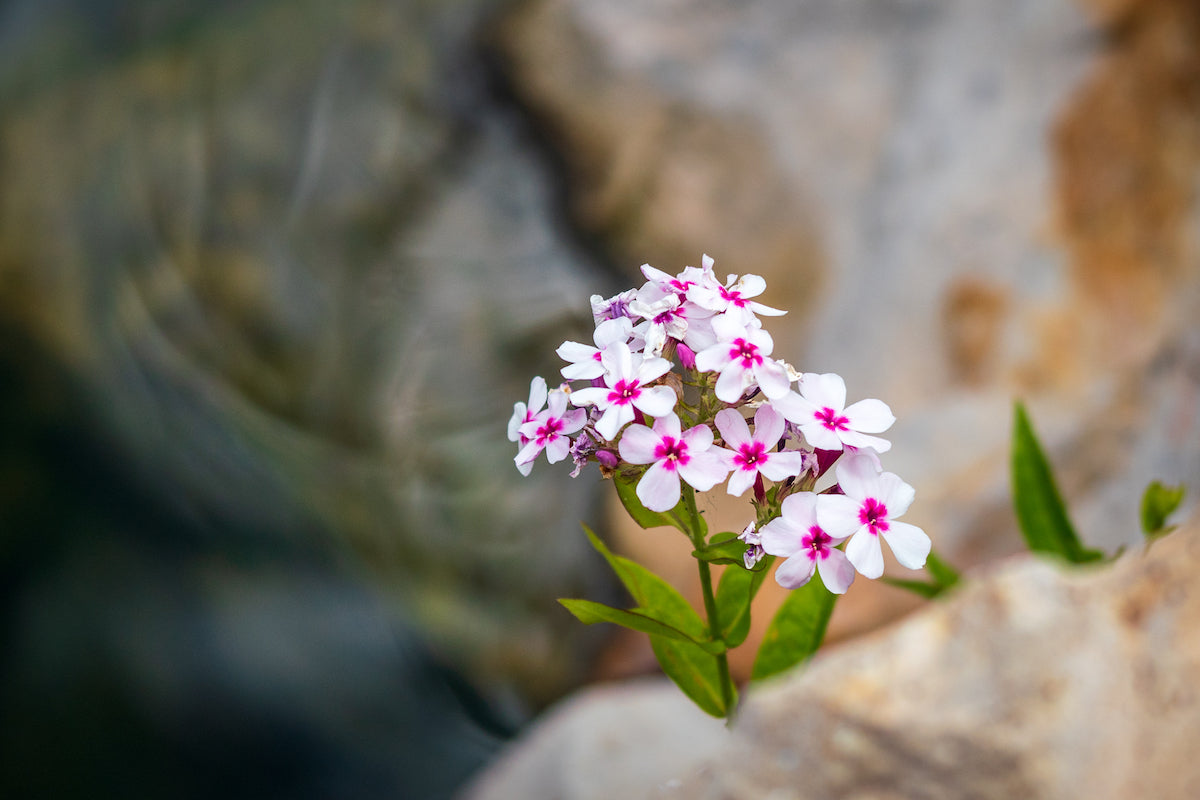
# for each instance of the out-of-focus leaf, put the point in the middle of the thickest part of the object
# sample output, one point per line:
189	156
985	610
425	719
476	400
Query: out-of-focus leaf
796	631
1039	507
694	672
589	612
943	577
735	593
1158	503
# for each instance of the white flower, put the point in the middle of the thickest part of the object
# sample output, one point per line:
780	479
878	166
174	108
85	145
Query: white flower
626	375
827	422
740	355
672	455
734	298
754	552
523	413
585	361
797	536
755	454
866	511
549	430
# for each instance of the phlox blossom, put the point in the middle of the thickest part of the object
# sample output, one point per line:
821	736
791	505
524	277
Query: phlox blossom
755	453
673	455
867	511
740	356
585	360
797	536
626	377
827	422
523	413
550	430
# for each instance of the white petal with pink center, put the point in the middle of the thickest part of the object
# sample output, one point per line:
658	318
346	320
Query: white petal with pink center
740	356
796	536
523	413
672	455
754	453
550	430
626	377
827	422
867	512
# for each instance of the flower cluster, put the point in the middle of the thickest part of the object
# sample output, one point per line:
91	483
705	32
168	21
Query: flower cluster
680	387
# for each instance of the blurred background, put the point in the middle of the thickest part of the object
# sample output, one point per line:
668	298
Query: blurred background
273	274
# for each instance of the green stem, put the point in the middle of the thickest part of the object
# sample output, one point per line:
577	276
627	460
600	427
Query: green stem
710	602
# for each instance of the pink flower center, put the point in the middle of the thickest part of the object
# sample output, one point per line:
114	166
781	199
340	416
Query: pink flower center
733	296
669	316
816	541
548	432
746	352
873	514
749	456
672	452
832	420
624	393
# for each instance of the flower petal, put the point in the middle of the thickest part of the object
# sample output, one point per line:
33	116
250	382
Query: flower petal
857	476
865	553
768	426
699	438
862	440
731	383
657	401
778	466
909	544
741	480
659	488
895	494
824	390
837	573
704	470
733	427
637	444
795	572
837	514
870	416
781	537
557	449
772	377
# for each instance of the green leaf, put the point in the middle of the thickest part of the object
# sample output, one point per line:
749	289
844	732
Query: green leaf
796	631
626	486
589	613
724	548
692	669
942	573
1158	503
735	593
1036	499
653	595
694	672
943	577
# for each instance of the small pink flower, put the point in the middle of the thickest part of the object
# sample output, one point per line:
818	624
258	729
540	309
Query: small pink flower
672	455
523	413
867	511
827	422
550	430
796	536
740	355
626	377
755	454
734	298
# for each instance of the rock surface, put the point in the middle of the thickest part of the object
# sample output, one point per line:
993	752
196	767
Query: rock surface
962	203
1032	681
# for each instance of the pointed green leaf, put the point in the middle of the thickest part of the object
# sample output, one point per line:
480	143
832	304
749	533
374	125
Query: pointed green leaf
1158	503
1036	499
589	613
735	594
724	548
943	577
796	631
694	672
942	573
